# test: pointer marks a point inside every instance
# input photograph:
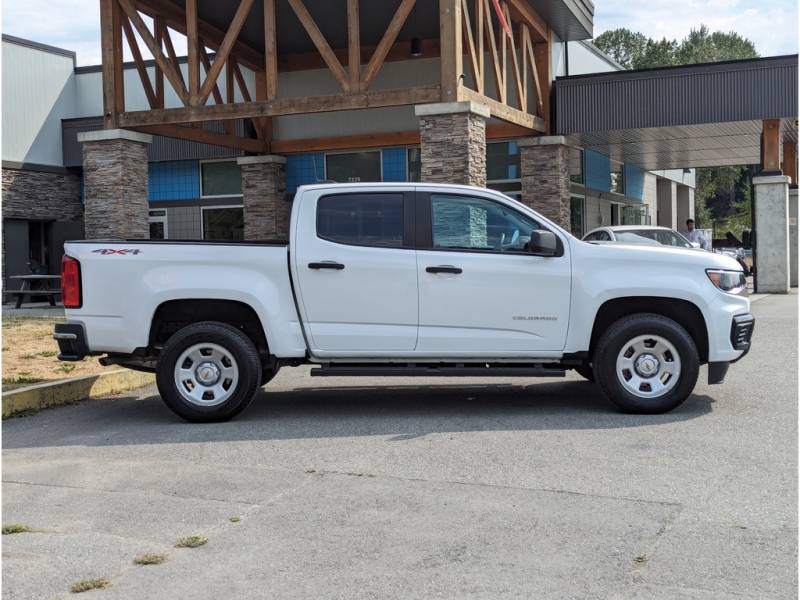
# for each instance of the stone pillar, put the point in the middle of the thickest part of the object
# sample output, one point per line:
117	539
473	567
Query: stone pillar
668	204
266	210
771	224
453	142
544	170
793	237
115	183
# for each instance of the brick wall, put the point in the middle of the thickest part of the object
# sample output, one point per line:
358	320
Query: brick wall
545	180
453	148
266	211
41	195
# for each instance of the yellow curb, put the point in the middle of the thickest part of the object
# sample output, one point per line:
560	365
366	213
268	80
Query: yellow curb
69	391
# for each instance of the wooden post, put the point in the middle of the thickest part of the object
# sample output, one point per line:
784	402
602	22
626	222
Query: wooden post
353	45
158	30
790	161
771	146
193	54
544	70
270	49
111	48
451	53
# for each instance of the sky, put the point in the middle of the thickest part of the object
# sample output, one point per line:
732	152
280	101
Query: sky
771	24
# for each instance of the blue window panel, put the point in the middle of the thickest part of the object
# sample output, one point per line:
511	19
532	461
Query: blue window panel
597	167
174	180
394	164
634	182
302	169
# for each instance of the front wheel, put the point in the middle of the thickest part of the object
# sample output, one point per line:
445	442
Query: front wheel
208	371
646	364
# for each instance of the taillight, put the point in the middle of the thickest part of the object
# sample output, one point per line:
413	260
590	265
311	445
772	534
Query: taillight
70	282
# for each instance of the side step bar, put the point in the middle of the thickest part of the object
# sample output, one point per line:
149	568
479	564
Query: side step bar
436	370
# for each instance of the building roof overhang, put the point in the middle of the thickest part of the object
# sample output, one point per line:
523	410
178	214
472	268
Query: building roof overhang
678	117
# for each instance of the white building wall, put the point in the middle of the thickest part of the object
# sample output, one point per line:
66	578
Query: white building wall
38	91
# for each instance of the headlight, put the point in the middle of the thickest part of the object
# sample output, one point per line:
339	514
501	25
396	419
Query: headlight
732	282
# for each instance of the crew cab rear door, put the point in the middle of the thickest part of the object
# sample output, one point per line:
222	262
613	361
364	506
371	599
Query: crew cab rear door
356	269
481	292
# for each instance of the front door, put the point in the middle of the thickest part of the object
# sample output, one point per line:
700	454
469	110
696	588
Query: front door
357	272
480	290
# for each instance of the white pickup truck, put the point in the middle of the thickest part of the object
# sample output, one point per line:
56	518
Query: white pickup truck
404	279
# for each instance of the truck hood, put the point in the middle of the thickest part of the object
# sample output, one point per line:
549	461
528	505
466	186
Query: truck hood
657	255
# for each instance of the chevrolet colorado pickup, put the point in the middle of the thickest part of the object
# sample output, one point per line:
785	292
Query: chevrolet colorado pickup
404	279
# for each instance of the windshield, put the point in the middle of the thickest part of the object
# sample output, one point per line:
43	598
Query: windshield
665	237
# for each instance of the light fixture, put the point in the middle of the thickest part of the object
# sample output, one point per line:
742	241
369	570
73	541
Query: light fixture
416	46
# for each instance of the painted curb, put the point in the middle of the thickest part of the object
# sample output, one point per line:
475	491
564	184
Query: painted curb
69	391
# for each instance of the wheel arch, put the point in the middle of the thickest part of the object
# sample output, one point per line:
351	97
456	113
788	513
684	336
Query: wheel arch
683	312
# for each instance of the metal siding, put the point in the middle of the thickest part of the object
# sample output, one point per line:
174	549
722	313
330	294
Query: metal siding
162	148
711	93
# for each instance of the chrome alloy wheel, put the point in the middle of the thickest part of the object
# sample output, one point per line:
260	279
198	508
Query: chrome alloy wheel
648	366
206	374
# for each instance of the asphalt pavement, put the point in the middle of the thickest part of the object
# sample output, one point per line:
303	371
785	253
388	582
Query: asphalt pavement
412	488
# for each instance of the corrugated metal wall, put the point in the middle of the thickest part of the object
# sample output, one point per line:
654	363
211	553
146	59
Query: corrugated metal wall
710	93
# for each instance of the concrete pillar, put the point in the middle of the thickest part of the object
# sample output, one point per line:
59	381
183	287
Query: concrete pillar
115	183
667	203
793	237
685	205
771	223
453	142
266	210
544	169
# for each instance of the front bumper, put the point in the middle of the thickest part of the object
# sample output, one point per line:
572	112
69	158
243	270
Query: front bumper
71	339
741	335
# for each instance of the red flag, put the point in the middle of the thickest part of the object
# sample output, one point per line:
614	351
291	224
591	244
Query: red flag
501	18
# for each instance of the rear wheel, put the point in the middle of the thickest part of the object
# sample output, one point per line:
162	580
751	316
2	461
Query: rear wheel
208	371
646	363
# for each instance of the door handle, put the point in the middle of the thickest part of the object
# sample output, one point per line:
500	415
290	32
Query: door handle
328	264
444	269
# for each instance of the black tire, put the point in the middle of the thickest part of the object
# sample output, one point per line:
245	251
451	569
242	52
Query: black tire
586	372
229	338
620	333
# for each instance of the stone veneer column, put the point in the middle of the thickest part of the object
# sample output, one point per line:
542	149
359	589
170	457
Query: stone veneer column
115	183
266	211
771	224
544	169
453	142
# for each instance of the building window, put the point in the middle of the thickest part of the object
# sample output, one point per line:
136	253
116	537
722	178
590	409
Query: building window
503	168
576	204
158	225
414	158
617	177
352	167
220	178
362	219
576	165
223	222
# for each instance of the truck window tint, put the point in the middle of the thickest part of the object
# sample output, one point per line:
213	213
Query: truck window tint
466	223
362	219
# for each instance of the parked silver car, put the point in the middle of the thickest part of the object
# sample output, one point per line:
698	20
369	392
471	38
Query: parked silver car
639	234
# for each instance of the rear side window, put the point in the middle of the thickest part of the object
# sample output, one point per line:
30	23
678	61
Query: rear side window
361	219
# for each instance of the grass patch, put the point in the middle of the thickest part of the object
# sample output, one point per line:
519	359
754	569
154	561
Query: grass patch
15	528
23	412
48	353
66	367
235	519
84	585
149	559
193	541
21	379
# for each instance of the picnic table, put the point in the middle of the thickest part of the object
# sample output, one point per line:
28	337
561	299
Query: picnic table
36	285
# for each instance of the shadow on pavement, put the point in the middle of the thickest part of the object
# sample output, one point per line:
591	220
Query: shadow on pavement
403	412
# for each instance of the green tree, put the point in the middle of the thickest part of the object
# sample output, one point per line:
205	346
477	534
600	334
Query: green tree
722	195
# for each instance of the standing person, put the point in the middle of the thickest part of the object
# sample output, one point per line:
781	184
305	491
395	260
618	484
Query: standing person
695	236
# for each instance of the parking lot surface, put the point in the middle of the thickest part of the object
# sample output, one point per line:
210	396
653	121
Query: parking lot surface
412	488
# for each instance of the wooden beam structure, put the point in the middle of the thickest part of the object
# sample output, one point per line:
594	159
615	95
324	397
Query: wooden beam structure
789	164
771	146
515	86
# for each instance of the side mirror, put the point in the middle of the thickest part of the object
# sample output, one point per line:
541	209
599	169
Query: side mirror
543	243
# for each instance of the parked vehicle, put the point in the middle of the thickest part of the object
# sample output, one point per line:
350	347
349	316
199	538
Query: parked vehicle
664	236
639	234
404	279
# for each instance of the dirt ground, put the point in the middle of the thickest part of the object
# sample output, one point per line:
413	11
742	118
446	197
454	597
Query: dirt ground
29	354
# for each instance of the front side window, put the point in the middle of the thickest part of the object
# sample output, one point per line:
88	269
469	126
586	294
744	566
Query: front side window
220	178
467	223
223	223
598	236
361	219
352	167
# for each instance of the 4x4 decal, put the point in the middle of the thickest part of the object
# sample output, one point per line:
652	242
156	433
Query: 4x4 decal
126	251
